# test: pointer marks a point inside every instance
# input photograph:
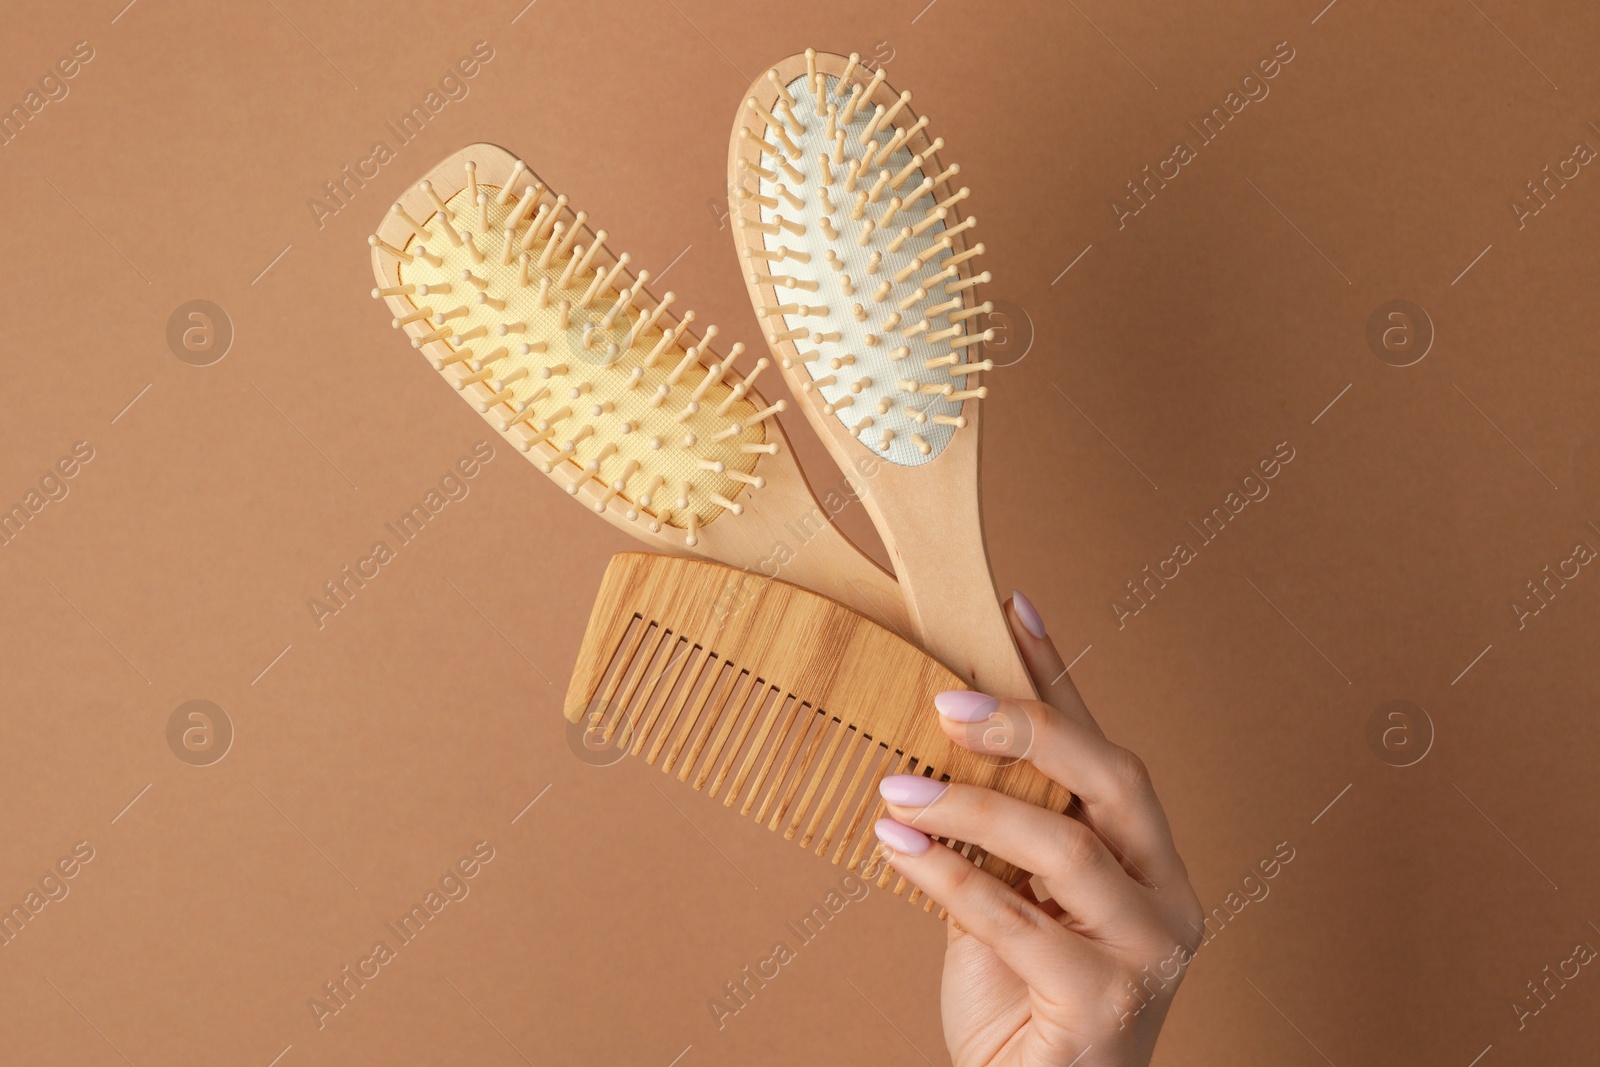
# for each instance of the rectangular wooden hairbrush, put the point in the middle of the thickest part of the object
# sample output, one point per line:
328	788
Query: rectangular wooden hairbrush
792	706
858	265
522	309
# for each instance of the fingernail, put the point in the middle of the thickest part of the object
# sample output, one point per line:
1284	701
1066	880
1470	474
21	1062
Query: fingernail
901	838
1027	613
963	705
911	790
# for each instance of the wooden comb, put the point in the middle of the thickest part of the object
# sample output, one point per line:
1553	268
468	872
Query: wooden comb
520	307
858	265
791	706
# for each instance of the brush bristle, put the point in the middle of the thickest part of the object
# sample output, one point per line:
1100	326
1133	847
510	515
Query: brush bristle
561	349
845	217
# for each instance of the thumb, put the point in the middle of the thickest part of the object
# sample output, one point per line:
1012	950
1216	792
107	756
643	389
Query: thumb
1044	663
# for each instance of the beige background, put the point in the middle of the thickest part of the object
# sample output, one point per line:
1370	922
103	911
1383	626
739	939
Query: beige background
1176	352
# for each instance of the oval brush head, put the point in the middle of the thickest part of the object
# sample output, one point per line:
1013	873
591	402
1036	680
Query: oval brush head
856	251
549	336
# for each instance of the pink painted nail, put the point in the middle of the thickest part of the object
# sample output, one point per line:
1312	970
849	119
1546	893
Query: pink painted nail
963	705
911	790
901	838
1027	613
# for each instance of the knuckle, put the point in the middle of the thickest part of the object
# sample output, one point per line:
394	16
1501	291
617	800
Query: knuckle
1129	775
1013	916
1077	849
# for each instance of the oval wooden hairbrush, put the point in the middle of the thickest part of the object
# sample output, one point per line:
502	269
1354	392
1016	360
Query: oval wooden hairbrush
550	337
857	262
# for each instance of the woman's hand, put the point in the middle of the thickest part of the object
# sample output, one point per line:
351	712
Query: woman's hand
1085	977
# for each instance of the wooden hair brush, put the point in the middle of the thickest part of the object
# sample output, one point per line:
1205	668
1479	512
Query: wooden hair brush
793	706
857	263
558	345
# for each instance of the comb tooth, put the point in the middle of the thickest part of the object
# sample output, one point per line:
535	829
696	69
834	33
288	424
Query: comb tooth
595	285
565	246
651	644
783	771
818	725
472	178
945	175
547	228
630	650
849	69
746	719
754	197
904	174
517	169
377	242
701	658
857	95
438	202
971	339
733	696
766	116
895	108
937	215
520	212
549	254
661	692
872	125
968	283
570	271
840	764
726	676
534	227
777	83
792	708
449	229
764	146
594	248
472	248
648	323
616	270
836	731
483	214
956	198
728	713
777	705
400	213
864	762
789	147
888	762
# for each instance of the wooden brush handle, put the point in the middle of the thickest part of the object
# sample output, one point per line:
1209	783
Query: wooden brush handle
933	528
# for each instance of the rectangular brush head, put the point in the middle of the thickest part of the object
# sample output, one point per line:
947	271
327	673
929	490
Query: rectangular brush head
778	700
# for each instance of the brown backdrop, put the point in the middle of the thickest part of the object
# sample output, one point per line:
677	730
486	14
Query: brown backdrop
1442	849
